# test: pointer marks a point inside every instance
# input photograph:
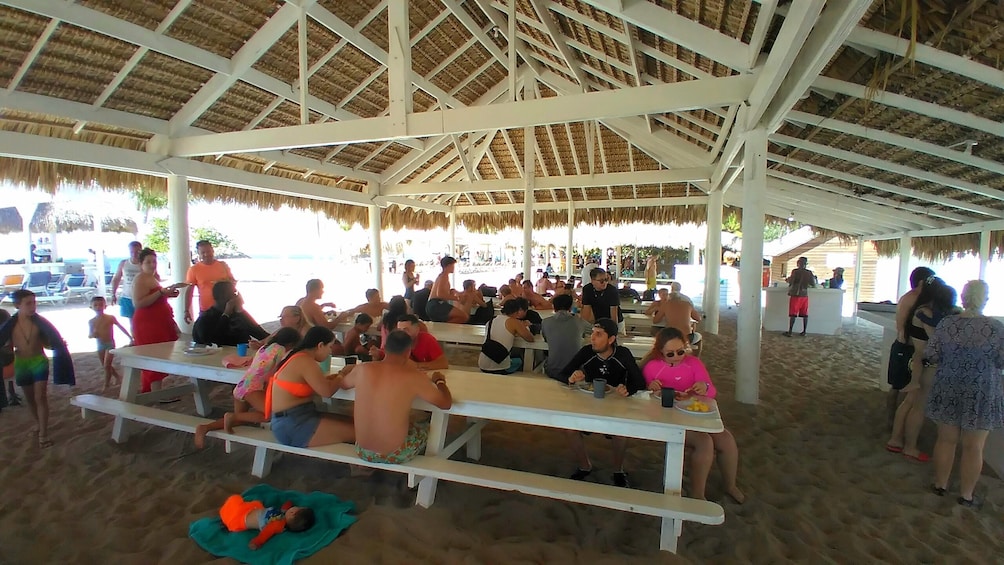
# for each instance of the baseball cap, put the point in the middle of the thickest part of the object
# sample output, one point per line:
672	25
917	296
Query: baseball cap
607	325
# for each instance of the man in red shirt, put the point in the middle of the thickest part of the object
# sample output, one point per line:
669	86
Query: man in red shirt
426	352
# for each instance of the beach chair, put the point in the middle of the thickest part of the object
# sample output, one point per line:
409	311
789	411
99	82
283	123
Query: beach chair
75	286
9	284
45	286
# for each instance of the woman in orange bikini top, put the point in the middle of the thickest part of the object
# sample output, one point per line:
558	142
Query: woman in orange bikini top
289	398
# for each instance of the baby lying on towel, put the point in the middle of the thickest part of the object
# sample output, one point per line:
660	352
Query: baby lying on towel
238	515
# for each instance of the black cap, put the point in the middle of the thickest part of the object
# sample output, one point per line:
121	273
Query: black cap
607	325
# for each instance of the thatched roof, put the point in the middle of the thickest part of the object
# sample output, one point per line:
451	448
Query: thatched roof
863	151
49	218
10	221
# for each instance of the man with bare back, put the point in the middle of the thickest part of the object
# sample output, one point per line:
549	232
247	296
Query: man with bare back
385	390
314	312
439	308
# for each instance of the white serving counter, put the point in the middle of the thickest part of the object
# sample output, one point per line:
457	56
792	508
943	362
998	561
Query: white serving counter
825	310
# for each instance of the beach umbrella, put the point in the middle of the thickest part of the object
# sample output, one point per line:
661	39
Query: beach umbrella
10	221
49	218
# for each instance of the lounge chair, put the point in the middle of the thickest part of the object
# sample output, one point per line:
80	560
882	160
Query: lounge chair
9	284
75	286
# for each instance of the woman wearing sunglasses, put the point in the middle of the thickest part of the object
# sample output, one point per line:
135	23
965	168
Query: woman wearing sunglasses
670	365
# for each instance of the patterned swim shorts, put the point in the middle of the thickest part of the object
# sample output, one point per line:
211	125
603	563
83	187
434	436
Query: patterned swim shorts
414	445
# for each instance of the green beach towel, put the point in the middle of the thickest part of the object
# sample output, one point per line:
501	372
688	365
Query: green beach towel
333	516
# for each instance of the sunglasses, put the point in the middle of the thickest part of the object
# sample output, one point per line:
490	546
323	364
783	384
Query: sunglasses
671	354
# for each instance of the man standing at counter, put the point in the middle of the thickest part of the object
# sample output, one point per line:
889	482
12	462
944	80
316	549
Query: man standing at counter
798	295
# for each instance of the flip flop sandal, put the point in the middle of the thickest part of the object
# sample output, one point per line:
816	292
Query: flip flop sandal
920	457
938	490
974	503
894	448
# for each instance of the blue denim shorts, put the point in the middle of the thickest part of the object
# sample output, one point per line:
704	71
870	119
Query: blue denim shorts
296	426
126	307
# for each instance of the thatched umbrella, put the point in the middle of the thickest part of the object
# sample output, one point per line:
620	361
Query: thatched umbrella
10	221
51	219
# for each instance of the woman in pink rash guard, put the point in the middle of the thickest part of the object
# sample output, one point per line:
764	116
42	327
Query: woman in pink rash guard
670	365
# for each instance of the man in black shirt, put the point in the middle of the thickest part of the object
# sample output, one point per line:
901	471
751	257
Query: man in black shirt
601	300
420	300
603	359
226	323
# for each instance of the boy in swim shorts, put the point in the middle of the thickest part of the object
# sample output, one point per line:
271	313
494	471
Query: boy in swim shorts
102	328
31	366
239	515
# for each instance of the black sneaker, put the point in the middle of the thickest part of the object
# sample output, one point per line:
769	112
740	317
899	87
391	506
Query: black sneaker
621	480
581	474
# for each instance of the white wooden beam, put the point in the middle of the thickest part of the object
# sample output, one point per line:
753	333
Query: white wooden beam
909	104
476	31
896	141
825	201
301	42
974	227
575	149
558	38
589	205
576	107
43	38
764	18
681	30
399	69
794	31
886	187
863	36
883	165
890	204
243	59
471	174
664	176
831	29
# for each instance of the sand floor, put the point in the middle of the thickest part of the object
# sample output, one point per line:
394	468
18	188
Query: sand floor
820	487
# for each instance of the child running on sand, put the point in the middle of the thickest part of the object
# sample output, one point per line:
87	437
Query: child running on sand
239	515
102	328
30	335
249	394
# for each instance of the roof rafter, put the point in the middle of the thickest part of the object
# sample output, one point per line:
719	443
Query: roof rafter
43	38
661	176
835	201
590	204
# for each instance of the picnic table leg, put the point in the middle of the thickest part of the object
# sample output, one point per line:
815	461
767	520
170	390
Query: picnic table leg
262	465
127	393
437	440
673	483
528	359
474	444
202	389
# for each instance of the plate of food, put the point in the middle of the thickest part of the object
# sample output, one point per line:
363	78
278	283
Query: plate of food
697	405
679	395
588	387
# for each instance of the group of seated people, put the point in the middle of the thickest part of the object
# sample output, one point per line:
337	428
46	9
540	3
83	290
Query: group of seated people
286	370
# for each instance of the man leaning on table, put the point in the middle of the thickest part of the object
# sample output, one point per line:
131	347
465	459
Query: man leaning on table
603	359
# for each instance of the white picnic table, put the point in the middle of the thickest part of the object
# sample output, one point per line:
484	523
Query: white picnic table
482	397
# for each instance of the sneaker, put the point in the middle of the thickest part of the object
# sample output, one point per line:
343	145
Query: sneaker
621	480
581	474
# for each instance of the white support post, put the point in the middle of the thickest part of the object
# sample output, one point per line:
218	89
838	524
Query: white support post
399	65
751	269
858	263
181	258
529	172
26	211
376	248
304	71
905	249
692	255
453	242
984	253
99	257
713	262
616	275
570	248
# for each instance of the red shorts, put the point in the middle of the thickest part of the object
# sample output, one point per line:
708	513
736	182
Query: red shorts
235	510
798	306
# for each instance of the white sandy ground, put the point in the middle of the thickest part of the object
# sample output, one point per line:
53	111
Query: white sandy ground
820	487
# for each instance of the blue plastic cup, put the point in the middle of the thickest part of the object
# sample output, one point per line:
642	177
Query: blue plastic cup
326	366
242	349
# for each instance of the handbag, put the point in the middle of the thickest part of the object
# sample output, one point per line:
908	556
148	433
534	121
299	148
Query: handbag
493	349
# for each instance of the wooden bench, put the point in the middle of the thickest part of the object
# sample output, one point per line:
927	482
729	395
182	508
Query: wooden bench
436	467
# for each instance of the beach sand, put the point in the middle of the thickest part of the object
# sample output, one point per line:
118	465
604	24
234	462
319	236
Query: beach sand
820	487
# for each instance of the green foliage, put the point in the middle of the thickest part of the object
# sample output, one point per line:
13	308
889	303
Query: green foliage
732	224
160	241
771	230
159	238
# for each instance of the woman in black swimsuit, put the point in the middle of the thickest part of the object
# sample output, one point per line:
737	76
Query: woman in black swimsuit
936	301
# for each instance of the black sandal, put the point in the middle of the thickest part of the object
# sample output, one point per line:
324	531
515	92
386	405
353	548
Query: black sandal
973	503
938	490
581	474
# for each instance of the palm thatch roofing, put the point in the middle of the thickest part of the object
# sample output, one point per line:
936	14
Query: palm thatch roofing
49	218
10	221
886	113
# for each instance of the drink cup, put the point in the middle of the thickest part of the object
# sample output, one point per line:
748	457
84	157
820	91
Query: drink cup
326	365
668	396
599	388
242	349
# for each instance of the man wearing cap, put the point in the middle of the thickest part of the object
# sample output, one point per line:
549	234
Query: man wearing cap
439	308
798	295
603	359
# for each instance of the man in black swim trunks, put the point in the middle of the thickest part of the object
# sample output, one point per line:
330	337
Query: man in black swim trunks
439	308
